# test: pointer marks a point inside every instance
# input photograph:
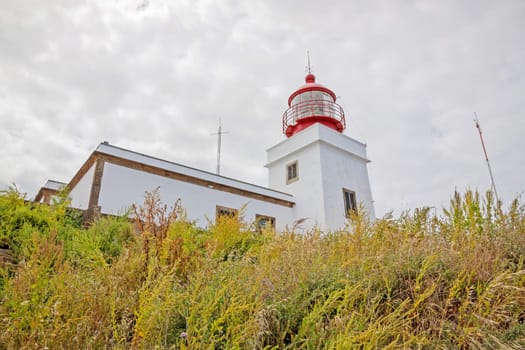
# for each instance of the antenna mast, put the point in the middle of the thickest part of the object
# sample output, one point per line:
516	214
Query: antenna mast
308	67
493	184
219	134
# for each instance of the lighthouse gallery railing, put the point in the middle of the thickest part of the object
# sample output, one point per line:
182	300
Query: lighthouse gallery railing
313	108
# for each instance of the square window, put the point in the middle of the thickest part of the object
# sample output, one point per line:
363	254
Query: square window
292	173
224	211
350	201
262	221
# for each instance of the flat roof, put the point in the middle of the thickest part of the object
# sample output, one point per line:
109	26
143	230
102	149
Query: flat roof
54	185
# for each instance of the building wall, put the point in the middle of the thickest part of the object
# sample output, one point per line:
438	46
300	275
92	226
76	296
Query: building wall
80	193
138	158
122	186
307	189
342	169
328	162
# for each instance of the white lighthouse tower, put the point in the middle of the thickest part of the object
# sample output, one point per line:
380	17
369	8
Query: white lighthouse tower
317	174
324	170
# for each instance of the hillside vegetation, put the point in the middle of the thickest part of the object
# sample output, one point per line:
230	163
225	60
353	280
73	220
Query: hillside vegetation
455	280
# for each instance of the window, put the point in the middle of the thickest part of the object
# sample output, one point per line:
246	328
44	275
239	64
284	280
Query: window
262	221
292	173
350	201
224	211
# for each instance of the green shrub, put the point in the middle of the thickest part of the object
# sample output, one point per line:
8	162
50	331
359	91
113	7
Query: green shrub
425	280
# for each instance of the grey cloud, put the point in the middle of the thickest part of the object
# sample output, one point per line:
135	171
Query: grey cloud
156	80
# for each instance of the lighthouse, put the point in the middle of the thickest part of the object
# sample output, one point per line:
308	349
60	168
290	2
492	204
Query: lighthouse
317	175
324	169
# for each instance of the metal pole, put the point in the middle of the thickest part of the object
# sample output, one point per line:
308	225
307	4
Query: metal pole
486	156
219	142
219	149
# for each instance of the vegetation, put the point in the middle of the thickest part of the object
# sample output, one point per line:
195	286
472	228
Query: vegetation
420	281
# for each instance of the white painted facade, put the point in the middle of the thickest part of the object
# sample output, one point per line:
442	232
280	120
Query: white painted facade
80	193
199	192
123	186
327	163
105	148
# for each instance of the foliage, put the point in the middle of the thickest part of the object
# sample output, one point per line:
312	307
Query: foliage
421	281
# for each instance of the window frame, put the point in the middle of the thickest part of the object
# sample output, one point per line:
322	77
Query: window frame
221	210
258	218
294	164
350	202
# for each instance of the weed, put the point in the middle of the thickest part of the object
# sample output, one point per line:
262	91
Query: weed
425	280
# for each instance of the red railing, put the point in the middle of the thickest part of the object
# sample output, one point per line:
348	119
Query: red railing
313	108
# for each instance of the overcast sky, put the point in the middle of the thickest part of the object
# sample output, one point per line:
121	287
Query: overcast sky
155	76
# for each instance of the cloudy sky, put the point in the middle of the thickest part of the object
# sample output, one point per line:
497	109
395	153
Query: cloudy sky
155	76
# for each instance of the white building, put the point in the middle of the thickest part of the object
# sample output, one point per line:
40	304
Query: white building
317	174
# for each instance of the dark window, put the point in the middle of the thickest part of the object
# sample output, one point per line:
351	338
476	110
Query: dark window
350	201
224	211
291	172
262	221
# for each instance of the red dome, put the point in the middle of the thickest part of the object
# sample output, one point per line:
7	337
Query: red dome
310	78
312	103
310	85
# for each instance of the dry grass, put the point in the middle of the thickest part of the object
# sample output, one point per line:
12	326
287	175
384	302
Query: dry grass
419	281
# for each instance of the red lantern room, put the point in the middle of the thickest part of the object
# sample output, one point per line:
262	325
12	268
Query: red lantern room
312	103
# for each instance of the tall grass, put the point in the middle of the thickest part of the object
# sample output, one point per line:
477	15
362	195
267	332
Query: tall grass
425	280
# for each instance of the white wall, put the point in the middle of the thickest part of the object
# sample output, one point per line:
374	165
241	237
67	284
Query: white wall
121	187
185	170
80	193
343	170
328	161
307	190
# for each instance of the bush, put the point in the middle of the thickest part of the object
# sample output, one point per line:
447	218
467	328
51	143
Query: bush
423	280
